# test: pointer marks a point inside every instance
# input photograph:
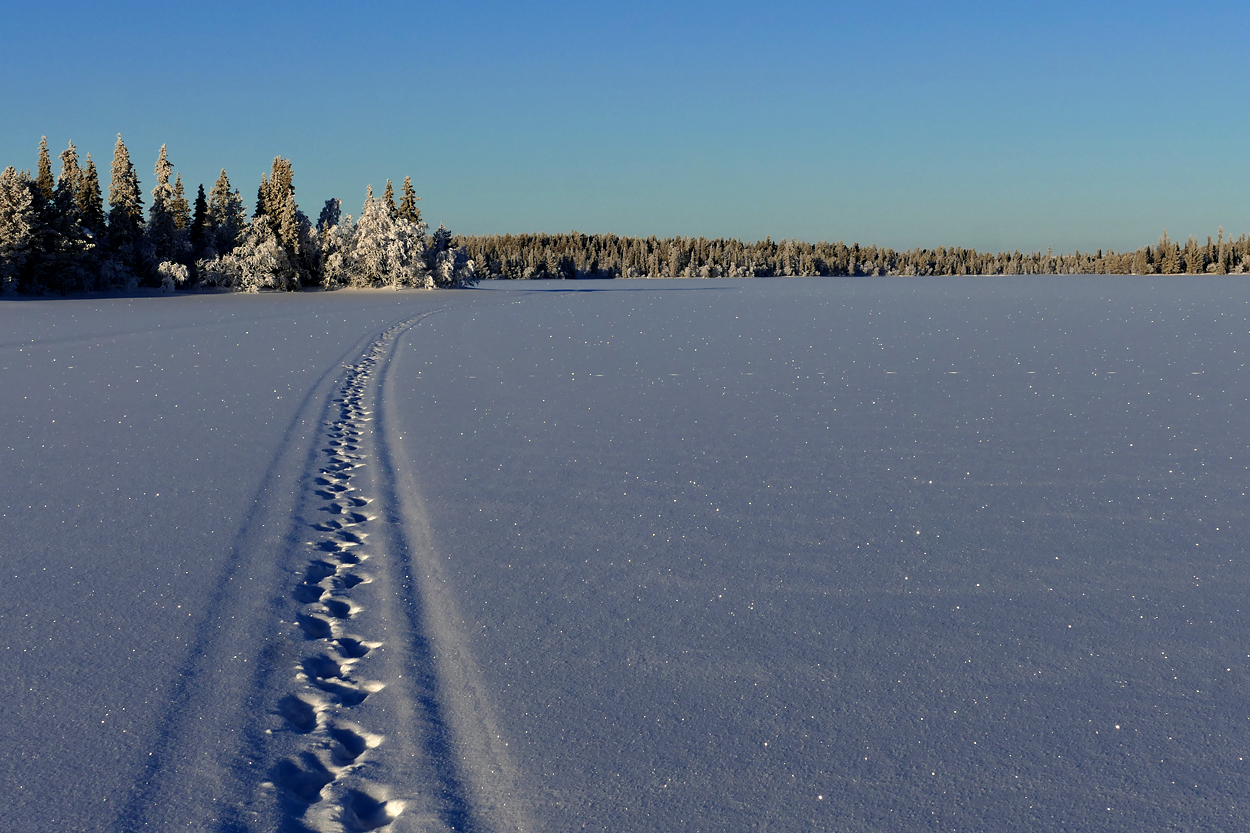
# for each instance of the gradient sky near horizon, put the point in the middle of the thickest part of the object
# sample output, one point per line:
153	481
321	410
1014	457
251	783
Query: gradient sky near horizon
999	126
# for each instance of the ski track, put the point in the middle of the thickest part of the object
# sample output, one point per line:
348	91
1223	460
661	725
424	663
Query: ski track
333	782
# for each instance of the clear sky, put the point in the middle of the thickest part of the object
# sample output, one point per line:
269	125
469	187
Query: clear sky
986	124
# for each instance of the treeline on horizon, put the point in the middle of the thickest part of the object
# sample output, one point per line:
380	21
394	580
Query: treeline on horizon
58	235
574	255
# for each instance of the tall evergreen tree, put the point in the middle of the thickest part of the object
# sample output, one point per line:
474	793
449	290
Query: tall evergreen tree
199	224
90	202
67	241
43	179
287	224
408	205
275	201
262	197
331	212
258	262
388	199
1169	256
125	221
17	228
381	250
226	217
161	225
70	181
274	187
180	207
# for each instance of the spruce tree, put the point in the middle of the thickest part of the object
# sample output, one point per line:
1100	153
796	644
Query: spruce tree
331	213
262	197
384	251
44	181
408	206
181	209
275	201
199	224
125	220
70	181
67	243
388	199
1169	256
274	187
226	218
258	262
90	203
17	228
162	238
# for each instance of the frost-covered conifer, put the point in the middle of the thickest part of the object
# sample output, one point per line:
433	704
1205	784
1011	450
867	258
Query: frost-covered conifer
90	202
337	240
287	225
408	205
125	220
162	227
387	251
17	227
388	199
258	262
379	249
275	203
70	181
226	218
171	275
65	241
43	179
452	266
181	208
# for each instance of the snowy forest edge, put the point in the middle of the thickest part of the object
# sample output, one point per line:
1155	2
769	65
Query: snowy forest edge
57	235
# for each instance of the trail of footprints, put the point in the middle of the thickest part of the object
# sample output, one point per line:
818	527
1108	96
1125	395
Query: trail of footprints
327	780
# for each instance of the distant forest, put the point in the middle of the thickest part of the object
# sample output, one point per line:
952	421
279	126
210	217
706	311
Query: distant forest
573	255
59	235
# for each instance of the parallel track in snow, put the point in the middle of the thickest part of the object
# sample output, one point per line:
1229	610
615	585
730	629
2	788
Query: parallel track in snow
370	739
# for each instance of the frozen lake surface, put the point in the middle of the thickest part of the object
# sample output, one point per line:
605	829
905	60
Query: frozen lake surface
788	554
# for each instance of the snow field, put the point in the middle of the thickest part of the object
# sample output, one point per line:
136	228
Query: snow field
859	555
648	555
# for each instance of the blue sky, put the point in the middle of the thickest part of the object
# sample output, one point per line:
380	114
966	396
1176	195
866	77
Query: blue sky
992	125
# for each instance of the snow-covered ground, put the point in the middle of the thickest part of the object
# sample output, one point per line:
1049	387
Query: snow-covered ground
935	554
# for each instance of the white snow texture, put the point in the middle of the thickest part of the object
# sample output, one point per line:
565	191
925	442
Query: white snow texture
790	555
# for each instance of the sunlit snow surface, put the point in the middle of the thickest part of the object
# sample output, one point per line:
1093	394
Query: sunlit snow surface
803	554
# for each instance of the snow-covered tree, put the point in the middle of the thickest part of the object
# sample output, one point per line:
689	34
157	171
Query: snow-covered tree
162	231
125	220
258	262
43	179
387	251
90	202
66	242
17	227
337	236
275	202
181	208
70	181
408	205
388	199
226	218
172	275
451	266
